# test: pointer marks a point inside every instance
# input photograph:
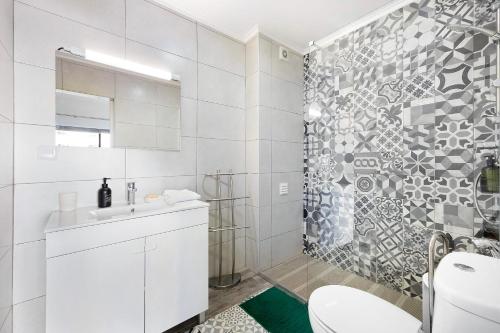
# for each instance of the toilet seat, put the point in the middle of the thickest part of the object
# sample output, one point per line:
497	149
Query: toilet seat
317	324
344	309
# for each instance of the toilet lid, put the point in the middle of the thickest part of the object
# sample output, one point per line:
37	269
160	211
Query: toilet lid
470	281
347	310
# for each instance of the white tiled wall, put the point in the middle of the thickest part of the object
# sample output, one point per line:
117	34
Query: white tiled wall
273	154
214	50
220	122
220	87
160	29
212	71
6	163
38	33
37	83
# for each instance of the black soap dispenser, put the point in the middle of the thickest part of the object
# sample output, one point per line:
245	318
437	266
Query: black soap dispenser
490	176
104	195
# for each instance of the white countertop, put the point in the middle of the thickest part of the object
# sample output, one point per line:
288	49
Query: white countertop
81	217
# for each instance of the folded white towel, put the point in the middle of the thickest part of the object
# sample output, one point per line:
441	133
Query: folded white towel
174	196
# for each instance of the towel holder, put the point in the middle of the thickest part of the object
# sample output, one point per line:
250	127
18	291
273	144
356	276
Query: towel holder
228	280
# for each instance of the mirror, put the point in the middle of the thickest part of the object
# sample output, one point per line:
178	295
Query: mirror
101	106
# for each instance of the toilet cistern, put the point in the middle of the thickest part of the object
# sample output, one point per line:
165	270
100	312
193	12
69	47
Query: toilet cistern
131	189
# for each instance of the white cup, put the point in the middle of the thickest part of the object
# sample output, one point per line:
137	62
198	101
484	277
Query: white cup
67	201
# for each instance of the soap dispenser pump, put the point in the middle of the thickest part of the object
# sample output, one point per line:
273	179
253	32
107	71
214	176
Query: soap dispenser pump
104	195
490	176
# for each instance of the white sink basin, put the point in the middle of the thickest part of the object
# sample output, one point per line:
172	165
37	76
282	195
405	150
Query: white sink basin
107	213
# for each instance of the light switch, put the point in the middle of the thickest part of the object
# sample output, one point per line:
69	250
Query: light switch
283	188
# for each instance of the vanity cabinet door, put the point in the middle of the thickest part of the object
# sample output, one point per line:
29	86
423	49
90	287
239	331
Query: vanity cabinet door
176	277
99	290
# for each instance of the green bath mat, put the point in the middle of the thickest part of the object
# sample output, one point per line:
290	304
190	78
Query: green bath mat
278	312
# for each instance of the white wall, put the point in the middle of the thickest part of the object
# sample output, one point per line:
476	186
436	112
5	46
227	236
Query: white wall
6	163
212	71
274	154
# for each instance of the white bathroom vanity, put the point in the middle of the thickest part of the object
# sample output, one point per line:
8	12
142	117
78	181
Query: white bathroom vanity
143	271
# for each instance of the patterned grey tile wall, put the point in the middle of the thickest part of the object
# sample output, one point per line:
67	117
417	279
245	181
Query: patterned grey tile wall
394	114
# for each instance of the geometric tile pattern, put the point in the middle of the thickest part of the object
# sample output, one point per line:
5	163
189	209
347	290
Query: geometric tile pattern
454	106
390	116
340	256
365	184
446	83
234	319
419	188
364	142
389	241
415	252
454	163
419	111
391	162
365	110
419	86
454	191
404	103
454	135
389	139
419	163
419	137
365	216
454	219
366	163
418	40
452	12
420	213
389	185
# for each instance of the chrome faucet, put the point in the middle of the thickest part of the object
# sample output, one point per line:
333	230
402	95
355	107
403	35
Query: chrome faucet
131	189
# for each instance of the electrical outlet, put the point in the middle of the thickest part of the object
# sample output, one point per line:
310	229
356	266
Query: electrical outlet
283	188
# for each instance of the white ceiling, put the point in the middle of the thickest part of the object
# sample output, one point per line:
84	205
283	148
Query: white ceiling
291	22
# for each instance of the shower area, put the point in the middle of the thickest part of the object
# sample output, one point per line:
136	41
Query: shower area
400	117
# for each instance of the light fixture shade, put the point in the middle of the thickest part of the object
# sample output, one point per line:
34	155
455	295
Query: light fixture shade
127	65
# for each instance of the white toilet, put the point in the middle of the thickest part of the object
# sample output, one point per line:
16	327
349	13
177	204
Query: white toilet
467	294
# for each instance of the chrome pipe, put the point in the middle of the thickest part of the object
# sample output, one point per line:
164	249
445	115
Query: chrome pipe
227	228
231	185
227	199
476	204
219	215
448	247
229	280
224	174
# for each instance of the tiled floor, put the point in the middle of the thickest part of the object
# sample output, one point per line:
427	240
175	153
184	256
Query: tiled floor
303	275
223	299
231	320
220	300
